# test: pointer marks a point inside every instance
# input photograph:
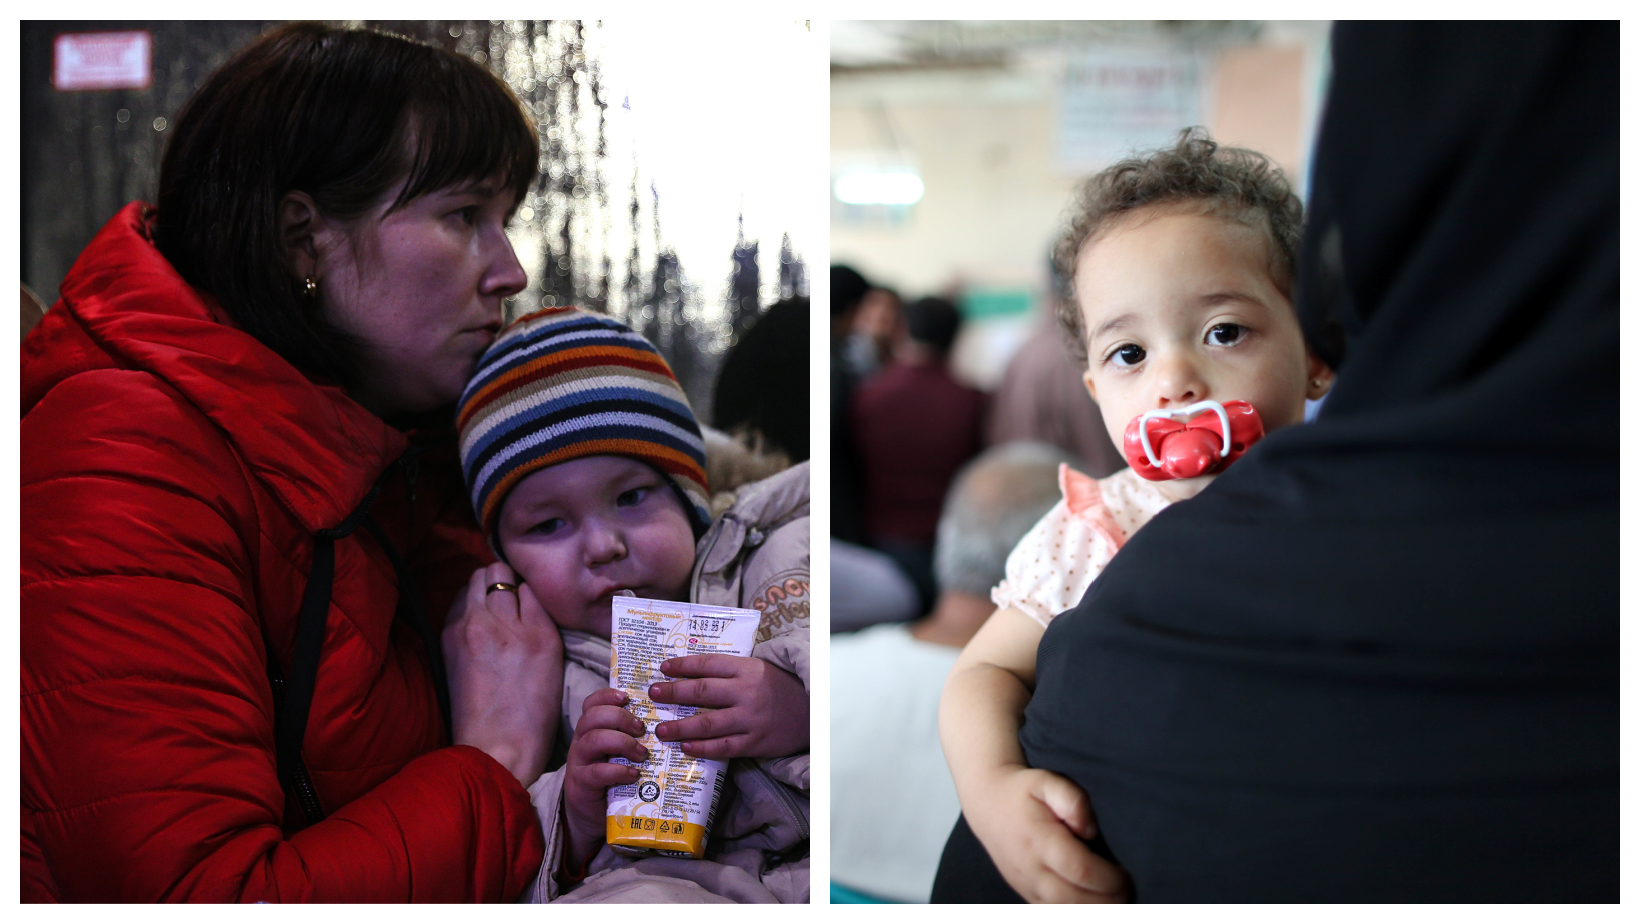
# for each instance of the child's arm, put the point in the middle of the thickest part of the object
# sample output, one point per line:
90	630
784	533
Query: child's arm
1023	817
758	710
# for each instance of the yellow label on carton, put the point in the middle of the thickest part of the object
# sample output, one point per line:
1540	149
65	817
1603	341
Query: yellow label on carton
657	834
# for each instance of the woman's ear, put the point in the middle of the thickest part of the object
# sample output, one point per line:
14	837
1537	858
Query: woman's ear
1320	379
298	229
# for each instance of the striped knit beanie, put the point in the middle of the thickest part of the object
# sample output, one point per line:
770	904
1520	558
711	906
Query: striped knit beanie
563	384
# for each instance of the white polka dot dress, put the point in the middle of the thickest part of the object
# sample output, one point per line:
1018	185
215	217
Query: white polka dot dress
1052	567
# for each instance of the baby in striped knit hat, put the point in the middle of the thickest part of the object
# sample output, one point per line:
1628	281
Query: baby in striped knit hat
586	469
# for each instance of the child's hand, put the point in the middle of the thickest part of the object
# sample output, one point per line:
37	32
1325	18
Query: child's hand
756	709
1030	824
606	730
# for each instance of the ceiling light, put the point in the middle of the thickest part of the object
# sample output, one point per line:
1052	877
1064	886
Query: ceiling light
878	187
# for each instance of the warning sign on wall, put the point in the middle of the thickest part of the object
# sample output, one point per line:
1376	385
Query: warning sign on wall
102	61
1116	101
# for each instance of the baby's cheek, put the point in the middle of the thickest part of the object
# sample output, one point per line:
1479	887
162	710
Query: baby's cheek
682	565
678	577
547	577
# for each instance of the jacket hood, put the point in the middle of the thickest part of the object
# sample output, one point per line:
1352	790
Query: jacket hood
123	306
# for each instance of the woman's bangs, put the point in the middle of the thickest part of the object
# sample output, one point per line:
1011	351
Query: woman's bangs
466	126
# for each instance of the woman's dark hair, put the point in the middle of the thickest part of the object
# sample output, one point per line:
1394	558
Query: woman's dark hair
1235	183
342	115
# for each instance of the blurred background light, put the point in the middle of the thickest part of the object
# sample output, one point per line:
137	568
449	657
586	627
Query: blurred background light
879	187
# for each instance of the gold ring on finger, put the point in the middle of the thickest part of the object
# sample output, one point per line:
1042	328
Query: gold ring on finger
501	585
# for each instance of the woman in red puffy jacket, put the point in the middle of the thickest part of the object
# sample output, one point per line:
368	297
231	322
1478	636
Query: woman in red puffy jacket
242	520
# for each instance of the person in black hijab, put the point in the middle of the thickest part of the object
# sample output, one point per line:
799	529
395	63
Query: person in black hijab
1377	659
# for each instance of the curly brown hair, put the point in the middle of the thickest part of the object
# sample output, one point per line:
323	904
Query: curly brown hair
1235	183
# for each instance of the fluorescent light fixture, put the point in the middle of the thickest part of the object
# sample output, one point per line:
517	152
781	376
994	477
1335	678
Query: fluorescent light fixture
878	187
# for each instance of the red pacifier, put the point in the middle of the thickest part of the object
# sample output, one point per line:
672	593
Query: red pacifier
1166	443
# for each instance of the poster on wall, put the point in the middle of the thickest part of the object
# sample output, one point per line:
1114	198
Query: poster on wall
1113	101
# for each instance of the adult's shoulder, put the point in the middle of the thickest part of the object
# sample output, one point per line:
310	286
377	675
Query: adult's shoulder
111	457
118	420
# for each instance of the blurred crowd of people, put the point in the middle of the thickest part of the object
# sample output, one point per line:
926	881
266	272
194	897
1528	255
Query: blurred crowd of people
902	425
933	483
893	801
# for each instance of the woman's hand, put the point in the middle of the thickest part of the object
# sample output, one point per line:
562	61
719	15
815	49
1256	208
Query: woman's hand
1030	823
505	662
755	709
606	730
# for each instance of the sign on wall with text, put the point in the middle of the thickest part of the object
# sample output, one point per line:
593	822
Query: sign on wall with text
102	61
1115	101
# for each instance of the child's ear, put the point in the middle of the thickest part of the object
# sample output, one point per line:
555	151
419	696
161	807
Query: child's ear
1320	377
1087	382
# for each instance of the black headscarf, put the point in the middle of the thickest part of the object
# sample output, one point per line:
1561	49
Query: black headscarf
1377	660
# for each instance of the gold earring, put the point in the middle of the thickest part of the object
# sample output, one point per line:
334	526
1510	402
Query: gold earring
310	287
1314	383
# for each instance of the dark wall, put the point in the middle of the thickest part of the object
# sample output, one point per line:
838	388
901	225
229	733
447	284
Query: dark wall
80	162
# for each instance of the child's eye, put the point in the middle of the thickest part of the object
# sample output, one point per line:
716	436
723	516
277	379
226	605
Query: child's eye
548	527
1225	334
468	214
1128	354
633	497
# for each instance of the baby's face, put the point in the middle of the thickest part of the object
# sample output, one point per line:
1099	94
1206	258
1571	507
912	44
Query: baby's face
1181	307
579	531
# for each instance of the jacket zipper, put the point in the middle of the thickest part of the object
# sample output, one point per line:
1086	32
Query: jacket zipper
306	798
786	799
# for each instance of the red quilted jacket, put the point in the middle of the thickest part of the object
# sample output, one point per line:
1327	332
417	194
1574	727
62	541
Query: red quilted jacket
174	474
